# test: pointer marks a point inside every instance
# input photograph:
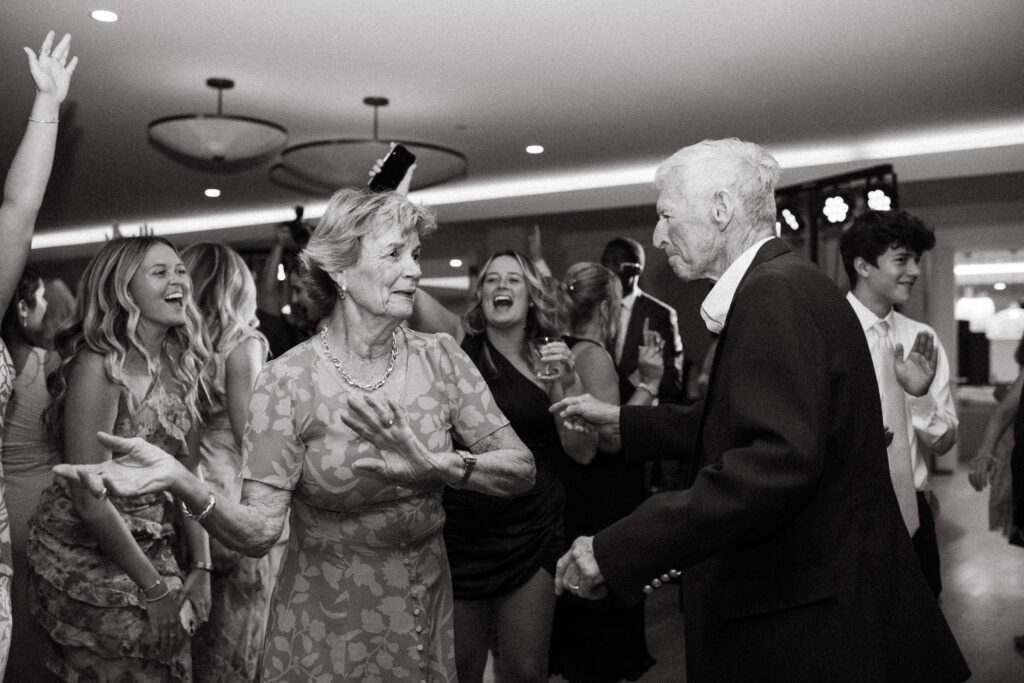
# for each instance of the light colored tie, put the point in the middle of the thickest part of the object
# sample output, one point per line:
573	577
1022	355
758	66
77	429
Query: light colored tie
894	413
620	335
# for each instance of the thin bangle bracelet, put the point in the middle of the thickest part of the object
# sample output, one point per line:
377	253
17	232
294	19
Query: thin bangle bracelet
43	121
205	566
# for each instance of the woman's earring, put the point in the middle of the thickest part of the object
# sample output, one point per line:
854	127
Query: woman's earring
343	293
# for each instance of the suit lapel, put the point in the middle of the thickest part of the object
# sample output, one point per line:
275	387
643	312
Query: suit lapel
768	251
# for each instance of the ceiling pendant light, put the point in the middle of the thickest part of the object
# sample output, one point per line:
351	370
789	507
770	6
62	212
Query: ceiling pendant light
323	166
217	141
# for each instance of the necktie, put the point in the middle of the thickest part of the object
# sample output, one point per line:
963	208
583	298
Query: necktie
620	335
894	413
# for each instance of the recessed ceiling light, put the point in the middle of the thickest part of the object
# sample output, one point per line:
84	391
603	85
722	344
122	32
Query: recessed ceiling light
455	263
106	16
534	149
999	286
212	192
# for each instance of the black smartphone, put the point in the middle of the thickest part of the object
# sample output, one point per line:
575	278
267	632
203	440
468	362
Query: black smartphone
393	169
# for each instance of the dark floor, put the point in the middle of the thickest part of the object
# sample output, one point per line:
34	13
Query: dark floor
983	594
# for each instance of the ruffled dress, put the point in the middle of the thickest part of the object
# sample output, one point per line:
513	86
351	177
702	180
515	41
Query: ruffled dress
94	613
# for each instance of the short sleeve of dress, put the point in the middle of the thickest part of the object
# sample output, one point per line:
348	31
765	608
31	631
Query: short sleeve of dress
474	413
272	449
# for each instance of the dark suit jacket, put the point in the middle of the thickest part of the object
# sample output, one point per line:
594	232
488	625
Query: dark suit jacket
797	564
663	320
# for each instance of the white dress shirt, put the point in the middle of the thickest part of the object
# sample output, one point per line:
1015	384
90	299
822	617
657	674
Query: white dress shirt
931	418
717	303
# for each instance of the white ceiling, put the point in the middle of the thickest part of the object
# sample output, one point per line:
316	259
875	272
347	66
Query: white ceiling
600	84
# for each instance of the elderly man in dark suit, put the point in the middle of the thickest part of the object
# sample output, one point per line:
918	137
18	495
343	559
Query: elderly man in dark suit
796	563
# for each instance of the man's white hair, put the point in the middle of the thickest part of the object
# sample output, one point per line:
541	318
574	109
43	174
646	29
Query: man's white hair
729	163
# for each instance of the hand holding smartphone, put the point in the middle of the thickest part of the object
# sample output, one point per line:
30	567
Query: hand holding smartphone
394	168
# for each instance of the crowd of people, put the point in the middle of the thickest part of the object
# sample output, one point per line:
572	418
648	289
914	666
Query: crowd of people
379	488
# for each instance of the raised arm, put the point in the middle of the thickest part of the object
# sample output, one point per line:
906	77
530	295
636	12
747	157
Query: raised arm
26	180
428	315
268	296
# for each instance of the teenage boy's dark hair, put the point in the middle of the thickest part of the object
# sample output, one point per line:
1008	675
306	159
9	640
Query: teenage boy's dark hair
873	232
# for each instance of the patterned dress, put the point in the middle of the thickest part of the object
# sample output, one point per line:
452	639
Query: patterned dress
6	564
228	646
365	591
93	612
28	460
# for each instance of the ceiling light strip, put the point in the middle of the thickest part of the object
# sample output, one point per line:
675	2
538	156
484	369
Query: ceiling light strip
789	157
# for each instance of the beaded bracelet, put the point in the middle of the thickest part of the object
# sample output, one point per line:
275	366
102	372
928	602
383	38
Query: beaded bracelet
201	515
43	121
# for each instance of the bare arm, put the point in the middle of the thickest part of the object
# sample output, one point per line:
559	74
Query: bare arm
504	464
30	170
983	465
250	526
242	366
597	374
428	315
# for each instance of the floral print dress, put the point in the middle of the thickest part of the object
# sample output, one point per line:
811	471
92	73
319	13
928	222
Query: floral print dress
365	592
7	376
94	613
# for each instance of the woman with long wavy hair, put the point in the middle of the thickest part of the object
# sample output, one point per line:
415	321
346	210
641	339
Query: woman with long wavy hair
228	646
106	585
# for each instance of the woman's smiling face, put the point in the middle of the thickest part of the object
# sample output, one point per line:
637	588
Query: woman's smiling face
161	288
504	296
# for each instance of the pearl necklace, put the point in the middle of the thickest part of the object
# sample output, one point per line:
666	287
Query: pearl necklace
348	379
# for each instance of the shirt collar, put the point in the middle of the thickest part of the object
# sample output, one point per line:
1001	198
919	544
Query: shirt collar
630	299
715	308
864	314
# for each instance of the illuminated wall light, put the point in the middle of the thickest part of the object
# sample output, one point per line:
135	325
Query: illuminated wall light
999	286
455	263
836	209
212	192
1010	268
534	149
280	272
879	200
105	16
790	219
286	309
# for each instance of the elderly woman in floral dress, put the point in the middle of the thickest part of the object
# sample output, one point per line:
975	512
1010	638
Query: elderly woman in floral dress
352	432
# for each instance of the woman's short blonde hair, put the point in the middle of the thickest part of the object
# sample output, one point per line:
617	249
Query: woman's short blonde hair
351	215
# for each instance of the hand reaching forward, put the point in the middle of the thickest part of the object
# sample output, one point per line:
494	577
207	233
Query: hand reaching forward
403	459
584	413
51	70
577	571
138	468
916	372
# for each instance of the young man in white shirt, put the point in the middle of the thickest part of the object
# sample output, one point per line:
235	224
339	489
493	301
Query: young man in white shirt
881	253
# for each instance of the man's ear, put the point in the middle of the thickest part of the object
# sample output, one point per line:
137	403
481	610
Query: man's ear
723	206
860	266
